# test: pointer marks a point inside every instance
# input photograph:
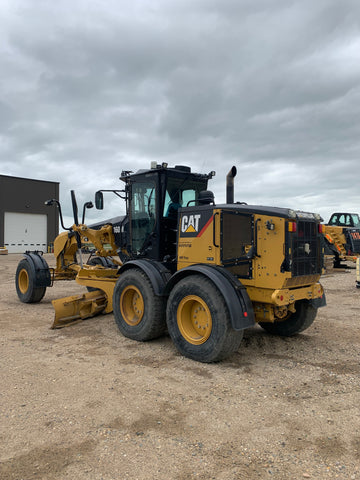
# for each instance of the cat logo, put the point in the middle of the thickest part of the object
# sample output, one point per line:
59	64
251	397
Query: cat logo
190	224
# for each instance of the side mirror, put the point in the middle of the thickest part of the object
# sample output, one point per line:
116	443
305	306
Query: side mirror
86	205
99	200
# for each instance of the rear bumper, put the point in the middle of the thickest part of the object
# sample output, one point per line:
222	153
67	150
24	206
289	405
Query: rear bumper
286	296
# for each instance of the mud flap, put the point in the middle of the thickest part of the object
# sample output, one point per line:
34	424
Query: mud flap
76	308
318	302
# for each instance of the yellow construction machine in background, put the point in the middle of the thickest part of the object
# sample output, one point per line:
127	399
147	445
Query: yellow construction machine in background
342	237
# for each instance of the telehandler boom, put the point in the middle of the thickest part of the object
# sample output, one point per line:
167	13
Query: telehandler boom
179	261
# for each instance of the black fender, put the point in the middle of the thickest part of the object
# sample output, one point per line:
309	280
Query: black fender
235	295
318	302
155	271
39	268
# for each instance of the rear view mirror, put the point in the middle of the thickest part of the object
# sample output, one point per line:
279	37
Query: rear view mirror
99	200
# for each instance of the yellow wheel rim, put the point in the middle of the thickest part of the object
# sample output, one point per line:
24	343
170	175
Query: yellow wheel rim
132	305
23	281
194	319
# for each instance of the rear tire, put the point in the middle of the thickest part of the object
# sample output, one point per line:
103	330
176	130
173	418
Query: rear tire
297	322
198	321
138	312
25	283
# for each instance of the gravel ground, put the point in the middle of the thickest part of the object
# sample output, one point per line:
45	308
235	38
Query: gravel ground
84	402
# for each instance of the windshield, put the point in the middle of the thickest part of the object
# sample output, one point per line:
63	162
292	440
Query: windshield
345	220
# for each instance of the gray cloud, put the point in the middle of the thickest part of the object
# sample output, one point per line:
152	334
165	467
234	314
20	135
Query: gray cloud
88	89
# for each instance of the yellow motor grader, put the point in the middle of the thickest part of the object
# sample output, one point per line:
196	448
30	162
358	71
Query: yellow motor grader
178	261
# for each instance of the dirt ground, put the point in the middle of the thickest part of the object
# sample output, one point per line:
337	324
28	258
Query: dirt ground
84	402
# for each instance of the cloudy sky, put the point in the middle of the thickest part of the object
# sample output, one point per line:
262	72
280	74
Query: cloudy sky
89	88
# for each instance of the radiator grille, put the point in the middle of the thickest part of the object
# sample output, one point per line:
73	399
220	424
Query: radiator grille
353	240
306	259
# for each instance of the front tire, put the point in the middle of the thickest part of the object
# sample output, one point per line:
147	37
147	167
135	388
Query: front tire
297	322
25	282
198	321
138	312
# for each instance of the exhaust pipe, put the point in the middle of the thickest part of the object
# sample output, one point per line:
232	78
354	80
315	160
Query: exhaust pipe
230	185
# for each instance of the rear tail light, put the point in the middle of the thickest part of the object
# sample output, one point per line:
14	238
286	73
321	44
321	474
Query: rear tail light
292	226
321	228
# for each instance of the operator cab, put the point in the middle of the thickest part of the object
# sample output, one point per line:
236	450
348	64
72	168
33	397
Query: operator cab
153	198
345	220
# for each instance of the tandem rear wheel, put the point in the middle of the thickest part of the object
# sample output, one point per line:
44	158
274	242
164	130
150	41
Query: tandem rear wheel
198	321
296	322
139	313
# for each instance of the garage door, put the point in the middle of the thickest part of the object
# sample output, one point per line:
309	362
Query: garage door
25	231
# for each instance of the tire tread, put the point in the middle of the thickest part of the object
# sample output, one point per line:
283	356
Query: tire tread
297	323
33	294
153	325
214	349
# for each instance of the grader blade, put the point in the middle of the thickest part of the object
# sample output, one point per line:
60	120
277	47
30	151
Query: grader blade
76	308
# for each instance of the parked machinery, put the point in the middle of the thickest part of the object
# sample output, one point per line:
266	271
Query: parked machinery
342	237
179	261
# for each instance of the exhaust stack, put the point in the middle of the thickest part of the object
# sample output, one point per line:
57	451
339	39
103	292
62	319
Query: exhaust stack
230	185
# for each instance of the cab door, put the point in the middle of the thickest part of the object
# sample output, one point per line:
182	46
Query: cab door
143	216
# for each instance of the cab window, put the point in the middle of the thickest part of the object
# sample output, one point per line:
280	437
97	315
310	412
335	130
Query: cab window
355	220
179	193
143	213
